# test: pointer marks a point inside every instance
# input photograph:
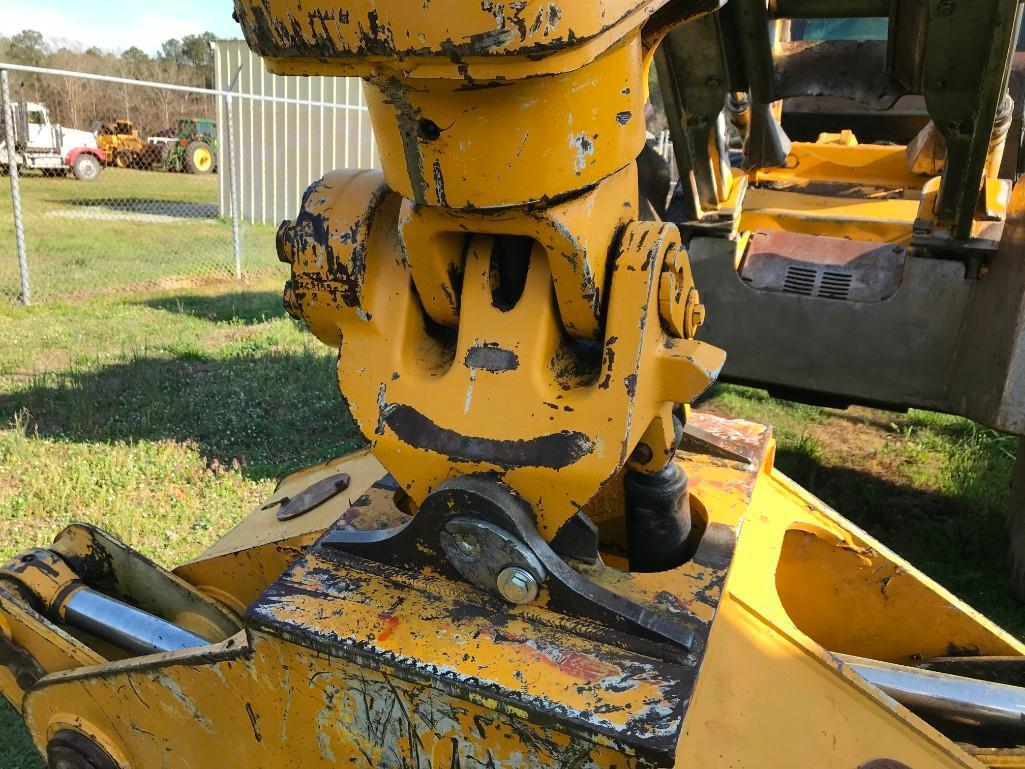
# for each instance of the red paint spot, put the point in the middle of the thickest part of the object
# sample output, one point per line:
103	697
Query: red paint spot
581	666
390	623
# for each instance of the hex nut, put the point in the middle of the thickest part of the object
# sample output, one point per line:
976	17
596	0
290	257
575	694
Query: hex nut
517	585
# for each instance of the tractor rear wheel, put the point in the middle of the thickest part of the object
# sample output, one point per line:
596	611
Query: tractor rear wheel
199	158
87	167
124	159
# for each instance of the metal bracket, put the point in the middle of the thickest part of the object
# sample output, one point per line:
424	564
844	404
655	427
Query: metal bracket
313	496
417	545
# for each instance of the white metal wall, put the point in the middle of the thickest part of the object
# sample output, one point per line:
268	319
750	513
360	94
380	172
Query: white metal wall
308	126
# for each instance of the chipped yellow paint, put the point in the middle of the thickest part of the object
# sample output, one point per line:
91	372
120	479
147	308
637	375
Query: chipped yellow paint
426	408
273	704
343	665
867	165
345	661
519	142
763	675
480	41
240	566
574	233
398	270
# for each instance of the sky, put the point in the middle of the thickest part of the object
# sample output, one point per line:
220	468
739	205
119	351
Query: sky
118	24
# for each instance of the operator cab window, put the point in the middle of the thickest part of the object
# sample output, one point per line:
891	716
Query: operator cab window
839	29
36	117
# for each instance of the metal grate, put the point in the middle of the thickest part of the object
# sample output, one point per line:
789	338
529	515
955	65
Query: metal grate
800	280
835	285
824	284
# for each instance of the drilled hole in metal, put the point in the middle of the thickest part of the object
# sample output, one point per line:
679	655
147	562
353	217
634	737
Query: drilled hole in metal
429	130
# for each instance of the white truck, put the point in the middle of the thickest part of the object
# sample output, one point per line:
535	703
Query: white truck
52	149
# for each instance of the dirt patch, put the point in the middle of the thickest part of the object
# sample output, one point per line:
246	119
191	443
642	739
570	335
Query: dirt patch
852	437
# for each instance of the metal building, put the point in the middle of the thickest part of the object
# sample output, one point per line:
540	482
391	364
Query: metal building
291	134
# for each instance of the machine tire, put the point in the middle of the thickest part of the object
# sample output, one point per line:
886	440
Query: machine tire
1016	524
124	159
87	167
199	158
71	750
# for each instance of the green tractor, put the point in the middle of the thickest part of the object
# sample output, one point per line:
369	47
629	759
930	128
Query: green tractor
194	149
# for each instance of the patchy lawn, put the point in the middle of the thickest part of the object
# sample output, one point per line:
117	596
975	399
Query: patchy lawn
126	231
164	417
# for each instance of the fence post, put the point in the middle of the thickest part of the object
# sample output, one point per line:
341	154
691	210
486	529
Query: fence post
12	169
236	241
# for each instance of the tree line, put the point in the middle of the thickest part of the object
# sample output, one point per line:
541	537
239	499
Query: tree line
78	103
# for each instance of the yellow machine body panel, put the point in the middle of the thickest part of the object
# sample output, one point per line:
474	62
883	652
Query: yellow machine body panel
341	665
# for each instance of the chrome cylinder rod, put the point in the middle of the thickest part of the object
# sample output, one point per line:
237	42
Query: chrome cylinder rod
125	626
967	701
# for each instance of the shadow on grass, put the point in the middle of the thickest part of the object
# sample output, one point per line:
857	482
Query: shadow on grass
245	307
959	541
268	411
177	209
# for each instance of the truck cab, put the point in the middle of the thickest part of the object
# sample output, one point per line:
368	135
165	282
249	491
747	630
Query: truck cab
41	144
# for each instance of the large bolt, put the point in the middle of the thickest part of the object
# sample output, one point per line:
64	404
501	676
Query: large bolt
679	303
694	314
517	585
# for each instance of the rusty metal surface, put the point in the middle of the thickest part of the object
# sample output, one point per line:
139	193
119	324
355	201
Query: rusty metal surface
850	69
455	32
437	631
417	546
824	267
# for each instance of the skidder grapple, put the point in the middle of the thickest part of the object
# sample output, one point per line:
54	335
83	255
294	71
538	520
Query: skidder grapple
544	558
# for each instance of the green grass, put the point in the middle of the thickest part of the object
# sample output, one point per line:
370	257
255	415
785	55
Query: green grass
161	418
85	238
122	410
932	487
164	417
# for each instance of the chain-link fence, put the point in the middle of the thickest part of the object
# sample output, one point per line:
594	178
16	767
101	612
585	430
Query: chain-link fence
127	186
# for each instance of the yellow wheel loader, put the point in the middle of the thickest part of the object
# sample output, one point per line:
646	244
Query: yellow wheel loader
122	145
544	557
